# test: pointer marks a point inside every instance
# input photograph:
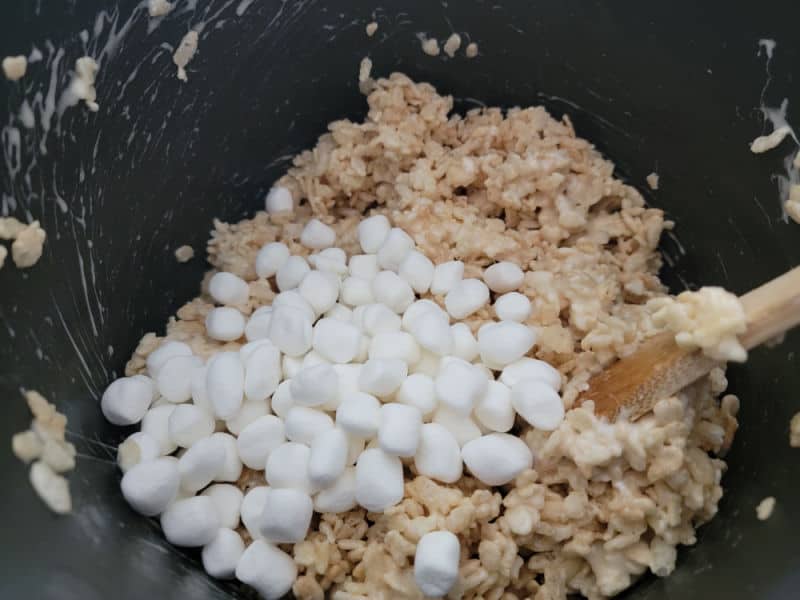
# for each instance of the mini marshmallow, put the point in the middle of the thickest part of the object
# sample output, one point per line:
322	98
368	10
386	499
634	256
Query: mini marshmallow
503	277
398	433
436	563
378	318
279	199
291	273
257	327
364	266
294	299
389	289
328	457
418	390
341	496
227	288
225	324
320	289
531	368
270	571
395	344
394	249
271	258
348	383
382	376
174	380
282	399
158	357
137	448
251	509
315	385
287	467
372	233
249	412
460	385
262	373
512	307
127	399
257	441
291	366
497	458
290	330
466	297
417	309
432	331
359	414
446	276
155	423
317	236
340	312
228	500
150	486
312	359
225	383
538	403
232	465
189	424
357	291
465	346
330	260
503	343
494	411
201	463
461	427
199	391
286	516
428	364
379	480
190	522
221	555
303	424
355	447
438	454
417	269
335	340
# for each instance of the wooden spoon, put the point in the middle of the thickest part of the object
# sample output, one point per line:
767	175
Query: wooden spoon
660	368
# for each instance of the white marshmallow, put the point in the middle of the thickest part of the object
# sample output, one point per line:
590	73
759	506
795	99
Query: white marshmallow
199	390
250	411
382	376
466	297
436	563
357	291
257	441
287	467
232	465
174	380
257	327
279	199
378	318
460	385
201	463
390	290
225	383
228	500
317	236
531	368
262	373
438	454
461	427
158	357
227	288
512	307
150	486
315	385
432	331
428	364
221	555
446	276
354	449
340	312
395	344
348	383
155	423
379	480
291	366
290	330
494	411
190	522
419	308
137	448
328	457
312	359
398	433
394	249
335	340
271	258
372	233
291	273
497	458
225	324
417	270
339	497
364	266
303	424
320	289
286	515
538	403
503	343
359	414
251	509
270	571
282	400
503	277
331	260
418	390
126	400
465	346
189	424
294	299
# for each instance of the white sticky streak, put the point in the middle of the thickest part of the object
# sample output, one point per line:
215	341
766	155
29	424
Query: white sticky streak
243	6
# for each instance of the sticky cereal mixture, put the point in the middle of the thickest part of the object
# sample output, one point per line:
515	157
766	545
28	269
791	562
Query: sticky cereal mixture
603	503
452	45
652	181
765	508
27	242
185	53
471	51
371	28
14	67
430	46
82	86
159	8
184	253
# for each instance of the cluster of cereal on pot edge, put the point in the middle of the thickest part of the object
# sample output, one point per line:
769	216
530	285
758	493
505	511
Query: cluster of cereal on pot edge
345	376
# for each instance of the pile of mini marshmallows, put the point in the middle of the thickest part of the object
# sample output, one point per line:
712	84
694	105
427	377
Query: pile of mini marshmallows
345	379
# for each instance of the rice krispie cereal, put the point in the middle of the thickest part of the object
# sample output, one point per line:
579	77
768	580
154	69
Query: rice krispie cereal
604	503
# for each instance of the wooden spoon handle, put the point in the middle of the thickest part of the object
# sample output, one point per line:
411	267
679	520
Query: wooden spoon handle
771	309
